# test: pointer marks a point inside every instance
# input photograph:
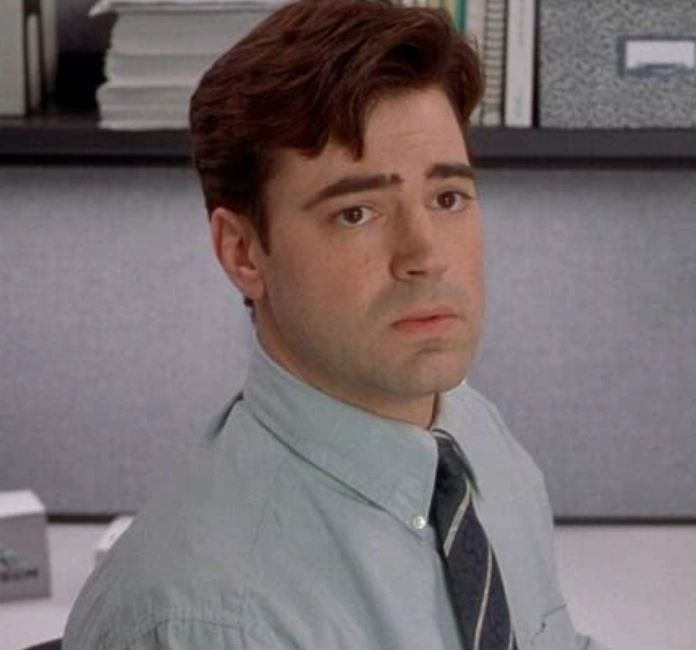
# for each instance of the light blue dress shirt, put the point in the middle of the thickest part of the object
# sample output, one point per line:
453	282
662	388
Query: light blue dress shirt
301	522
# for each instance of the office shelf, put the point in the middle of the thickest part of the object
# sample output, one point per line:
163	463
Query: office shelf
74	137
63	137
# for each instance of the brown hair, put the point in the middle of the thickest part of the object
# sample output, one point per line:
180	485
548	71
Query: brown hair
310	72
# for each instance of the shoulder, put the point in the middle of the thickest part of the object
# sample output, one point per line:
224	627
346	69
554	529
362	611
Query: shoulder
150	587
181	571
476	413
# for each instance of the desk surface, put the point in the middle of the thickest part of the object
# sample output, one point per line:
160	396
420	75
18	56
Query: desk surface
631	587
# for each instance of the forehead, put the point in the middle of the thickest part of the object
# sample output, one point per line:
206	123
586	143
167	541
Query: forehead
405	134
427	111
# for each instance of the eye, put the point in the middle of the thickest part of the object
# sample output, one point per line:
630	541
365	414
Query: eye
356	215
453	200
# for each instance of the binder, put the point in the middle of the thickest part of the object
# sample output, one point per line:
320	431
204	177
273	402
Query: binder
519	63
456	10
27	54
494	62
474	26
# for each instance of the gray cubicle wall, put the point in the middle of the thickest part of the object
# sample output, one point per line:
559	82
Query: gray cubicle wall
120	336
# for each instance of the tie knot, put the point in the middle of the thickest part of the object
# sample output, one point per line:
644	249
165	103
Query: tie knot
452	466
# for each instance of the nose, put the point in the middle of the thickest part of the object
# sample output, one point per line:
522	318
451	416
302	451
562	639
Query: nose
417	252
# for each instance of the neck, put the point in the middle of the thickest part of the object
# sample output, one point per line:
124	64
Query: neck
420	411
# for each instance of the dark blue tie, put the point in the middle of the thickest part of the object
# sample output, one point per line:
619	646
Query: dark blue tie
474	578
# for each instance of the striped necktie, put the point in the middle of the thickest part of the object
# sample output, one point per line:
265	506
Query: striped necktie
476	587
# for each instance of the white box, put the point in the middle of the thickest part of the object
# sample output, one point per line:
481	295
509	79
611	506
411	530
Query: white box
24	562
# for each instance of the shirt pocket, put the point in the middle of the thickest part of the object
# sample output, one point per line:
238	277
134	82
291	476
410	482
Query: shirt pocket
556	631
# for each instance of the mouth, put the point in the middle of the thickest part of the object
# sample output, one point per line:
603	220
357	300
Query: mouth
430	321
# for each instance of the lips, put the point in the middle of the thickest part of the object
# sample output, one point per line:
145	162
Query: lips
427	314
436	321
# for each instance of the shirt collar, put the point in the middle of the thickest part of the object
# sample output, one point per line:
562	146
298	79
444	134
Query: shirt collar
389	462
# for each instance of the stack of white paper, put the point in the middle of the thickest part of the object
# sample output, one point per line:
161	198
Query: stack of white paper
160	49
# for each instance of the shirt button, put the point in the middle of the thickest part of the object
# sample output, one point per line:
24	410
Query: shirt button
419	522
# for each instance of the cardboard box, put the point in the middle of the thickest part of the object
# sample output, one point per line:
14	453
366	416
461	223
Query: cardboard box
24	562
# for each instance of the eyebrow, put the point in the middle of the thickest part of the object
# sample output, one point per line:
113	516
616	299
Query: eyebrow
447	170
352	184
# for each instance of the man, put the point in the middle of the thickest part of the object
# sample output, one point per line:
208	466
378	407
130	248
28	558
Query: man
331	145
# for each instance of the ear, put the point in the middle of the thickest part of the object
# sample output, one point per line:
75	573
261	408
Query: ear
238	250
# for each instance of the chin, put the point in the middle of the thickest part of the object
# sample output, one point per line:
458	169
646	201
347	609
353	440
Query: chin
437	378
448	383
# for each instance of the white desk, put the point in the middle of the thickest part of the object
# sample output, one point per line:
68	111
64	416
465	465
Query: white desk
71	552
632	587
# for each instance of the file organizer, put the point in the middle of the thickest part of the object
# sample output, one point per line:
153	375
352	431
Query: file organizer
617	64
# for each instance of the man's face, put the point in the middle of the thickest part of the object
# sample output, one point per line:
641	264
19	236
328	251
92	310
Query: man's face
357	247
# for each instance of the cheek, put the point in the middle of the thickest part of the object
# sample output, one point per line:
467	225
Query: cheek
321	276
345	288
341	272
312	285
465	252
471	253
